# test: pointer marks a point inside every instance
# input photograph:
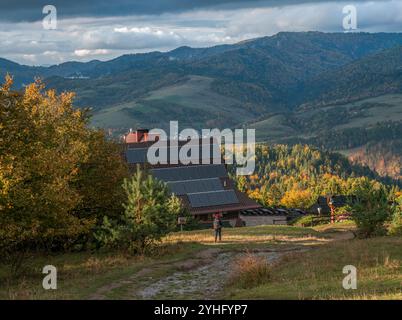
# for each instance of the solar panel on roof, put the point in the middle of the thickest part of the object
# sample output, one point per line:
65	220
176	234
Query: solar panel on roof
190	172
136	155
193	186
213	156
214	198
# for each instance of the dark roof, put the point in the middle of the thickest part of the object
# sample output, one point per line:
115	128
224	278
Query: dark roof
192	186
273	212
207	152
193	172
325	209
341	200
337	200
322	201
212	198
137	155
244	203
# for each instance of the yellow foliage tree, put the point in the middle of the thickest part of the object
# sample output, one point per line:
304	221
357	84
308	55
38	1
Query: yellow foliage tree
45	146
297	198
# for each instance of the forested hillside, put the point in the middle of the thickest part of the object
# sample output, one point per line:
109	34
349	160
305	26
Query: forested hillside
295	176
370	76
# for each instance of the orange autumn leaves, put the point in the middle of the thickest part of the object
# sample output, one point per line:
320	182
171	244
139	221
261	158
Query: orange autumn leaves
46	150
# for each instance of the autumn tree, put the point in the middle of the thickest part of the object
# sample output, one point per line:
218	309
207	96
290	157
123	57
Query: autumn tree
42	143
297	198
271	196
395	227
100	177
47	151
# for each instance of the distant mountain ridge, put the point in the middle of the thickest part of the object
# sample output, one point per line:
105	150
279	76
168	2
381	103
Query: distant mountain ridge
269	74
329	49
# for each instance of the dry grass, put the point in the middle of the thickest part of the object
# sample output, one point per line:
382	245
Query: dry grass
251	235
249	270
317	274
75	271
79	274
205	239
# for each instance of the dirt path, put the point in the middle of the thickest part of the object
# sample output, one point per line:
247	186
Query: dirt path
203	257
203	282
201	277
341	234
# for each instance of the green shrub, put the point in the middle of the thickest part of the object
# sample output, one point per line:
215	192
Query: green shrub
371	210
341	211
310	221
150	213
395	227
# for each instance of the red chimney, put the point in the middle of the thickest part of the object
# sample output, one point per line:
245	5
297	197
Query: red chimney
141	135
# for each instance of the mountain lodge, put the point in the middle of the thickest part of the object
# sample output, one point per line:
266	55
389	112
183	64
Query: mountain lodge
204	188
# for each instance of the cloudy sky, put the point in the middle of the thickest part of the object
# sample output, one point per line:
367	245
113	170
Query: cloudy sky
105	29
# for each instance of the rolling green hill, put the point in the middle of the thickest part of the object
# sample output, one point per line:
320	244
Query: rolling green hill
191	101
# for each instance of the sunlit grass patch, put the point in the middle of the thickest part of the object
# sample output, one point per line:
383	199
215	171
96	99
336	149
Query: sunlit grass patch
317	273
249	270
252	235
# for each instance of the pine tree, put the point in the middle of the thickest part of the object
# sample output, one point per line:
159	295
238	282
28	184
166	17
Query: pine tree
371	210
150	213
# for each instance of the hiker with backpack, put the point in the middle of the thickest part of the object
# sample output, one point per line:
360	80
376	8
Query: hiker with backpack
218	227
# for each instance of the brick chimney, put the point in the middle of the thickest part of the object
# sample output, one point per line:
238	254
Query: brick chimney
141	135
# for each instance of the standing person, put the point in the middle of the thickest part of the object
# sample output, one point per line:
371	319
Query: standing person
218	227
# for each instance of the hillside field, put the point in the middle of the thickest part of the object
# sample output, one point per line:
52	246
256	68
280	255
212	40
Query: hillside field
189	100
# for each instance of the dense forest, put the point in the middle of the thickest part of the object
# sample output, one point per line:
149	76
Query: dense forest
377	145
294	176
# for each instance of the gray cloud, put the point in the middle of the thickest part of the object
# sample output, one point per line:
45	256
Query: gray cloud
85	38
31	10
